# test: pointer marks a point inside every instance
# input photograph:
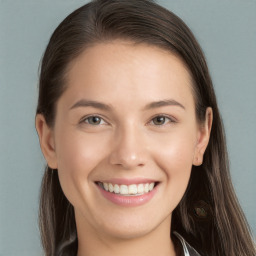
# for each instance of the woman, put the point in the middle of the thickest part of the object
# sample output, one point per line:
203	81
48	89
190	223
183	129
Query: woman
129	126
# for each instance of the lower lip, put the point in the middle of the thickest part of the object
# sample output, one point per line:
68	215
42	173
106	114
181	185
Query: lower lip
128	200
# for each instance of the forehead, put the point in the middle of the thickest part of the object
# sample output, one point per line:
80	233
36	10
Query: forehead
127	71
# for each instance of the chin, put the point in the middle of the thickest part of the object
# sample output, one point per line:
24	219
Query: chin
126	232
129	226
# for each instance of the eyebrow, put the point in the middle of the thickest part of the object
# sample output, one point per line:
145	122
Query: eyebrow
163	103
102	106
91	103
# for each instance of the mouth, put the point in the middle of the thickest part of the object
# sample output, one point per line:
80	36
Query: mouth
128	190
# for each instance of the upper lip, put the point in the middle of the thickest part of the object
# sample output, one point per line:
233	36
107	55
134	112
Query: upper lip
122	181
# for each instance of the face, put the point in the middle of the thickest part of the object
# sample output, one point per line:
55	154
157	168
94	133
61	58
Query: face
125	137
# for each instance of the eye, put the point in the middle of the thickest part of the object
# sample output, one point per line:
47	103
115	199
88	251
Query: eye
93	120
161	120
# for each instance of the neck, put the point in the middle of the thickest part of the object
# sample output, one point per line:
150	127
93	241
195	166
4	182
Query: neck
155	242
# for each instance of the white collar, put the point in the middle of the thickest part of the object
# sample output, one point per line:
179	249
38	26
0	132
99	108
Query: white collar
187	249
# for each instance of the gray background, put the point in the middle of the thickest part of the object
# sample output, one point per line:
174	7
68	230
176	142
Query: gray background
226	31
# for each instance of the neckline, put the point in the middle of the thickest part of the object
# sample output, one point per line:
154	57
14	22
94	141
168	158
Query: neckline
188	250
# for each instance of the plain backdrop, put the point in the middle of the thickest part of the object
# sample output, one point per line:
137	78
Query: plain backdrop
226	31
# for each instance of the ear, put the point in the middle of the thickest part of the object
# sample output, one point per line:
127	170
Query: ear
203	137
46	138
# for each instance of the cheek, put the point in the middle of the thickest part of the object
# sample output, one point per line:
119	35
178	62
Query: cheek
174	152
175	157
77	156
176	160
78	151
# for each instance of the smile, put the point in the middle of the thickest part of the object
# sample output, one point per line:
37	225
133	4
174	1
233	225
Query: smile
127	190
128	193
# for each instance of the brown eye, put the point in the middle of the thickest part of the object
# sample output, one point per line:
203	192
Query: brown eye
161	120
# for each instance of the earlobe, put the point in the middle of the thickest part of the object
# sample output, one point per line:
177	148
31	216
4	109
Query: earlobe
203	137
46	139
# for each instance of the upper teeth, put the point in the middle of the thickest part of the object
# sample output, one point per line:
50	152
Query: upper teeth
133	189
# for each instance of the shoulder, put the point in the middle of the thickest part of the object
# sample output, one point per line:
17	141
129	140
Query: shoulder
188	250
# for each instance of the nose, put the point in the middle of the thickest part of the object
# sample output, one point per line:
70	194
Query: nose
129	150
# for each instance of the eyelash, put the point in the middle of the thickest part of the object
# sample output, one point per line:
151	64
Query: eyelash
87	117
171	120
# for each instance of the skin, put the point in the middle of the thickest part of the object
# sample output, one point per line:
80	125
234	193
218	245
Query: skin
127	143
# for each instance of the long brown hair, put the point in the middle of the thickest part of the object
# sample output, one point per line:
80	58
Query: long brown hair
221	228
